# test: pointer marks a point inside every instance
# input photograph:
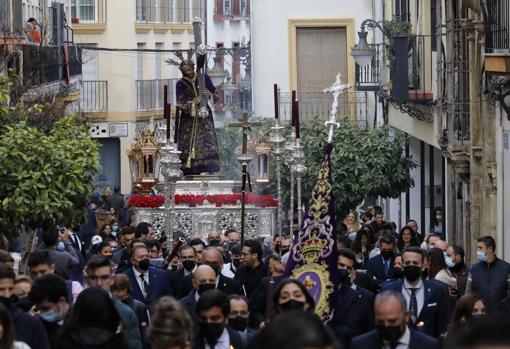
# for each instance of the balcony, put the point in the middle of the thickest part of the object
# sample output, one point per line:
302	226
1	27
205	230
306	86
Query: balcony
149	94
164	15
89	16
318	104
44	64
497	40
93	98
412	81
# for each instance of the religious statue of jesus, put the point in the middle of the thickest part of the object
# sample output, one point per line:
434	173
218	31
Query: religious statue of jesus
197	137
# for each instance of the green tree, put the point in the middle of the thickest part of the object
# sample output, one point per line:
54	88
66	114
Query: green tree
363	164
47	179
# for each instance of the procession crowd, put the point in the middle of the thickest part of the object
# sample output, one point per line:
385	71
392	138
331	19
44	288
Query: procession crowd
121	287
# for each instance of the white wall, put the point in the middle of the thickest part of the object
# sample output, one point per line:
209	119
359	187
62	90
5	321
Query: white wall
270	39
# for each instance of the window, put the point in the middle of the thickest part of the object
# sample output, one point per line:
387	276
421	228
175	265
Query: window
243	8
401	10
227	8
182	11
84	10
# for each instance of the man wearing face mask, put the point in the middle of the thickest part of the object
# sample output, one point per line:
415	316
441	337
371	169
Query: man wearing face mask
392	331
490	276
27	328
50	296
350	316
239	317
204	279
213	258
61	251
229	269
382	266
455	261
188	258
213	238
148	284
427	300
213	308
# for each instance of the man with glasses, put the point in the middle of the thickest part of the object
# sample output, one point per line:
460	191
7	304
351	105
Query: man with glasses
188	259
99	273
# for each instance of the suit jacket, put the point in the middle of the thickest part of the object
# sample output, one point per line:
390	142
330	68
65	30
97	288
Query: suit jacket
176	280
261	300
366	281
235	341
189	302
346	315
372	340
226	285
158	286
375	267
365	303
434	314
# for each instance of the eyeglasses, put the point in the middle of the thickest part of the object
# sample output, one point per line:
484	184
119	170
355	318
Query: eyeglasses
102	278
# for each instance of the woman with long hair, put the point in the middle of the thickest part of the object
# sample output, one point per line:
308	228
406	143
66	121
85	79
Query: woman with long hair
291	294
407	238
94	323
352	222
438	270
362	247
468	305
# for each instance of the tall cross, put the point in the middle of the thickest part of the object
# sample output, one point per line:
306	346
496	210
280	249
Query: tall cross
245	125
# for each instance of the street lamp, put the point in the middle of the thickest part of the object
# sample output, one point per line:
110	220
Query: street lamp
362	51
217	74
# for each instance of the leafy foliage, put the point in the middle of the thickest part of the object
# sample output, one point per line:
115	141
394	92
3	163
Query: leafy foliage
229	138
363	164
46	178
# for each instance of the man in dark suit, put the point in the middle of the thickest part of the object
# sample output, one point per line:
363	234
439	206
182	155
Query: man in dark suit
212	257
213	308
148	284
381	266
239	317
392	332
427	300
188	257
253	269
204	279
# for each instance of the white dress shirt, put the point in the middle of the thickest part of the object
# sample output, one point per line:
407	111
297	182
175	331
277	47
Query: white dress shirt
403	342
420	295
223	341
139	280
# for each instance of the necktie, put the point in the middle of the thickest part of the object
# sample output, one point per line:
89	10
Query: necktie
413	305
145	284
386	267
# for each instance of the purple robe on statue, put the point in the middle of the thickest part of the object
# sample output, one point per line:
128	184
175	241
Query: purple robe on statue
195	132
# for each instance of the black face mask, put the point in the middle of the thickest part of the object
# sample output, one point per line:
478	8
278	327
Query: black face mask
215	267
292	305
398	273
343	276
238	323
285	250
211	331
205	287
386	254
144	264
9	302
214	243
389	333
189	265
412	273
237	263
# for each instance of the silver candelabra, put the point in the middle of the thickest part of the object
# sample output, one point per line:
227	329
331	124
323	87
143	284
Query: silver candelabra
298	158
170	167
277	141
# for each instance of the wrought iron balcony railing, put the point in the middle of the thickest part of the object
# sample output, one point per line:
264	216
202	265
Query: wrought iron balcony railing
318	104
167	11
497	26
94	96
149	93
420	69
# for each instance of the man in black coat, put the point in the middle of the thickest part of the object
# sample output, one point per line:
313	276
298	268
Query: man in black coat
213	308
381	266
391	327
204	279
212	257
261	301
188	257
253	269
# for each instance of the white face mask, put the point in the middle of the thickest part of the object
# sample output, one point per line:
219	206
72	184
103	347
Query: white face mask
439	217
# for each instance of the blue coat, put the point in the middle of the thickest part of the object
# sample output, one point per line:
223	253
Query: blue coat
375	268
159	285
372	340
434	314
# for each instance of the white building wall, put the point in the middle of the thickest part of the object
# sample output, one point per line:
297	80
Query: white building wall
270	40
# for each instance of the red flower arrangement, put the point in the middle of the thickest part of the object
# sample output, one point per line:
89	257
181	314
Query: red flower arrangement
198	200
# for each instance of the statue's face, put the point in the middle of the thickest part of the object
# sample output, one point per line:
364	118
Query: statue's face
188	71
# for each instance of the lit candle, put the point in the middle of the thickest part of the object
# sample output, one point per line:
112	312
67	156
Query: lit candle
276	106
297	118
